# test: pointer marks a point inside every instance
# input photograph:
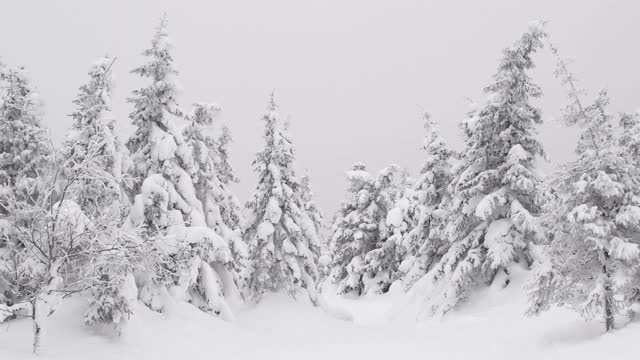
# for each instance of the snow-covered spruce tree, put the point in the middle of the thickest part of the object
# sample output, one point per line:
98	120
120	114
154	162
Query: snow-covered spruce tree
492	210
25	152
221	207
383	265
93	122
590	258
310	205
425	242
362	260
315	213
166	204
231	212
354	230
283	243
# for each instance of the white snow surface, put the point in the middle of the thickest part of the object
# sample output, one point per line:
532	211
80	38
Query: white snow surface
490	326
394	217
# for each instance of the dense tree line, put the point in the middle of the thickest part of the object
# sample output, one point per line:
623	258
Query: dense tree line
152	220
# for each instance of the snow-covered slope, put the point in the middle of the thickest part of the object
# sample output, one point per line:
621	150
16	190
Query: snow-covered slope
382	328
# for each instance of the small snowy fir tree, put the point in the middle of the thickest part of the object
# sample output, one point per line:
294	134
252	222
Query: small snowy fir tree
425	242
592	220
93	119
310	205
166	204
492	210
362	258
382	265
316	216
283	242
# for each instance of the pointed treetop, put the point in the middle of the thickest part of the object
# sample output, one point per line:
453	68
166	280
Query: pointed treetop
431	127
272	106
161	28
93	99
359	166
21	96
204	113
305	175
519	54
160	40
2	69
160	67
515	60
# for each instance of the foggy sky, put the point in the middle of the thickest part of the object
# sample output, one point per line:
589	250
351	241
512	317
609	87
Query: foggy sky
353	75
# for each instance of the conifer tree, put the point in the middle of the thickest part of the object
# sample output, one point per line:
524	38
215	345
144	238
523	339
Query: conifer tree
382	265
157	147
214	173
93	119
166	204
359	250
283	242
231	210
25	152
425	242
225	170
311	207
592	218
492	211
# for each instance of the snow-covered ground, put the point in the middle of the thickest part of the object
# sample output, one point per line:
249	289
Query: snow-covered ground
490	326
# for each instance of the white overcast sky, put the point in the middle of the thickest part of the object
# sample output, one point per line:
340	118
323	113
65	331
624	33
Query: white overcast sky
352	74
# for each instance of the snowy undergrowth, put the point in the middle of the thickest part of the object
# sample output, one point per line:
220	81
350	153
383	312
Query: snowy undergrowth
491	325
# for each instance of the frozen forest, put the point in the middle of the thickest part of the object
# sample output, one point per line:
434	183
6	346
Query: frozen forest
132	238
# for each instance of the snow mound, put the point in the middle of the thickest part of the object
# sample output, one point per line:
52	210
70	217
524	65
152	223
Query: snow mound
490	325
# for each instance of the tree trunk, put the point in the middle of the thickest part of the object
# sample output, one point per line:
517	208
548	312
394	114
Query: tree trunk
37	328
608	312
608	309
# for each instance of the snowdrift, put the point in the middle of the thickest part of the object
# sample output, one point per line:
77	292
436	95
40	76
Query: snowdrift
490	325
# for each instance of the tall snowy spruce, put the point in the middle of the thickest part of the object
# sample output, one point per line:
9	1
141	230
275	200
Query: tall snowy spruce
283	242
362	258
493	208
166	204
425	242
590	258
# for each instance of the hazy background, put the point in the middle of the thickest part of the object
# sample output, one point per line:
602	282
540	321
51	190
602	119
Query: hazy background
352	74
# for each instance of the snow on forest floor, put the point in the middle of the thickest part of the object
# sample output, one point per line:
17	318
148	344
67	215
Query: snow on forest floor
490	326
